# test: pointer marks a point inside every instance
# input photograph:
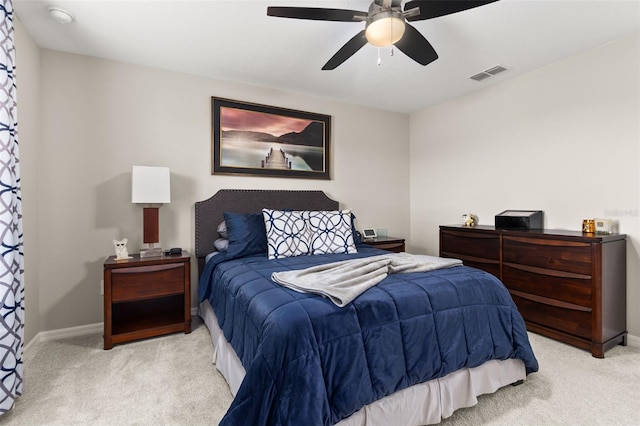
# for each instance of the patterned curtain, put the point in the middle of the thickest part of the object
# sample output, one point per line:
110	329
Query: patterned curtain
11	256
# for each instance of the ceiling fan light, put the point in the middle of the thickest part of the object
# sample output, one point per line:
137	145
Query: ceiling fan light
60	15
385	29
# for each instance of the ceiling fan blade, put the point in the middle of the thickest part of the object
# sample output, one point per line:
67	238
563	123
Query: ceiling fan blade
317	13
346	51
435	8
414	45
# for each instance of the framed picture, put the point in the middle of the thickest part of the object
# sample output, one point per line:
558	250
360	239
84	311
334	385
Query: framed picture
268	141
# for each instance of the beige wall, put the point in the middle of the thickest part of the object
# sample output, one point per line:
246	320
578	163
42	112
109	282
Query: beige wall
29	136
563	139
101	117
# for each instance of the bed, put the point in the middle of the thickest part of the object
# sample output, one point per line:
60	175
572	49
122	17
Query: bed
410	350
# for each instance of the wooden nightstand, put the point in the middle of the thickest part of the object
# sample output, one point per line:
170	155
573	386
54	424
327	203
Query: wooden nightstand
146	297
393	244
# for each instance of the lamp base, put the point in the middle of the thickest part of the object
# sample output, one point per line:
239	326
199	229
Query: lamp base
151	252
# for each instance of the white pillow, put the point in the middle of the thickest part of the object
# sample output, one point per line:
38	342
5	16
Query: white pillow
287	233
222	230
221	244
330	231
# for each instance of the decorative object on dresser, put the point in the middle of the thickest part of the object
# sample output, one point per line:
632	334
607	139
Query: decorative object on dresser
469	220
604	226
519	219
150	185
589	226
568	285
393	244
146	297
263	140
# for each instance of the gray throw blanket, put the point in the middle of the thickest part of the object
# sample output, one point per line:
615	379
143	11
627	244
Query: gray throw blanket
343	281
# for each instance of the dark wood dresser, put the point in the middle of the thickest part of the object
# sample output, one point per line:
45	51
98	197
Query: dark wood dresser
568	285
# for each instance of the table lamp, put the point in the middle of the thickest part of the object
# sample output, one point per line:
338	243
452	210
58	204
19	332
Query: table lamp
150	186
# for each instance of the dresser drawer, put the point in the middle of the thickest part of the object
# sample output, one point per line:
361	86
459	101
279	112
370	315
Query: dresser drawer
471	244
573	320
477	249
559	285
142	282
560	255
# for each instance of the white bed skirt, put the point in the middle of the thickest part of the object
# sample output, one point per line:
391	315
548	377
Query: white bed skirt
421	404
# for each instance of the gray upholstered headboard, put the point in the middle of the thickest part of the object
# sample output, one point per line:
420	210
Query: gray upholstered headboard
209	213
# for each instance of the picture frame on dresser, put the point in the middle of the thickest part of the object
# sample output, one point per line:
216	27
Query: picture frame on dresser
262	140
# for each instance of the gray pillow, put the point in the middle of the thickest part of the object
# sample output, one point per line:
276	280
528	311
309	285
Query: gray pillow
222	230
221	244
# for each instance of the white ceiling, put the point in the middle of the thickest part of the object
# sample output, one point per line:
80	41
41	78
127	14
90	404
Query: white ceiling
237	41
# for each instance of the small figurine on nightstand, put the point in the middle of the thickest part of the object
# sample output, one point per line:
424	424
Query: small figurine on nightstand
469	220
121	249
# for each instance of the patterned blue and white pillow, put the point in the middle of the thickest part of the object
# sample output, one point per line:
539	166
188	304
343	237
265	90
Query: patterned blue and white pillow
331	231
287	233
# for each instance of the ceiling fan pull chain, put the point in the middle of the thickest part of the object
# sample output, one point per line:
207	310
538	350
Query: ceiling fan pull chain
379	60
391	51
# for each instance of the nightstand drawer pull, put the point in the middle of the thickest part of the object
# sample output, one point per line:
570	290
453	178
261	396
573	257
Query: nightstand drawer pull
145	269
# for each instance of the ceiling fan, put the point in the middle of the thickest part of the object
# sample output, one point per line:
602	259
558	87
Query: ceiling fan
385	25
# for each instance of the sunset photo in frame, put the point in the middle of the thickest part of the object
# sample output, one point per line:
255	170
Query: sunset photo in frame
264	140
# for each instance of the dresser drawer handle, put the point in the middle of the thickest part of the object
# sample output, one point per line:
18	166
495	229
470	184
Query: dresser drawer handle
548	272
471	235
470	258
550	302
543	242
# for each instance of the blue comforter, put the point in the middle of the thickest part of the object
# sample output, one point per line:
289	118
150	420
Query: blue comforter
309	362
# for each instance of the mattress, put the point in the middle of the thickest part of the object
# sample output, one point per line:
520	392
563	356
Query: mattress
420	404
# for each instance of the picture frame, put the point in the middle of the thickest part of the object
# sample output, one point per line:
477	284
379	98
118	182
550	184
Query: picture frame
262	140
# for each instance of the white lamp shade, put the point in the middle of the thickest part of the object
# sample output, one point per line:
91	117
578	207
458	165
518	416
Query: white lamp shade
150	185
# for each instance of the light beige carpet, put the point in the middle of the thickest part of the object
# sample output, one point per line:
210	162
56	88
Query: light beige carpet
171	381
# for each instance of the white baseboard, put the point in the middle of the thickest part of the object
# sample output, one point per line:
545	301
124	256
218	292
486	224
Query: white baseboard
45	336
32	343
63	333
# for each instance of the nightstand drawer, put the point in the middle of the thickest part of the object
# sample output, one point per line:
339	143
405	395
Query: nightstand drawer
142	282
395	247
392	244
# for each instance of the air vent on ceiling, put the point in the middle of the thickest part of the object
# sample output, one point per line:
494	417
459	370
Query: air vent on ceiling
480	76
488	73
